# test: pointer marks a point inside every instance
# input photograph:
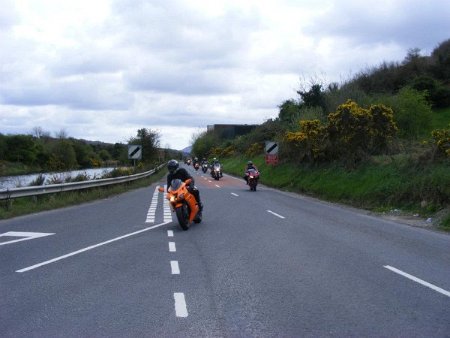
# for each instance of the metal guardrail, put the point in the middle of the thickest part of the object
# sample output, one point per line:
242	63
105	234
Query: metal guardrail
54	188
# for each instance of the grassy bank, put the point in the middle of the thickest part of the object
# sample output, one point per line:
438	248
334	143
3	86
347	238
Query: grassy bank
380	187
28	205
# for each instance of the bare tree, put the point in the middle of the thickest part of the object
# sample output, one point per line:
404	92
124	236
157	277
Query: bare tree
62	134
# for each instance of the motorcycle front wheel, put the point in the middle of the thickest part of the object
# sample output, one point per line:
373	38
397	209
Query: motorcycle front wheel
183	216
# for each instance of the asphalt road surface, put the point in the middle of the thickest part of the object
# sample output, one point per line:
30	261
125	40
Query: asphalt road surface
261	264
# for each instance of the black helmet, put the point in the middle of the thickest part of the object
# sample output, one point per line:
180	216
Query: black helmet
172	165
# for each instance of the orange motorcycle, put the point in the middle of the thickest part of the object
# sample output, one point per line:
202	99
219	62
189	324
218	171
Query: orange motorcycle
183	203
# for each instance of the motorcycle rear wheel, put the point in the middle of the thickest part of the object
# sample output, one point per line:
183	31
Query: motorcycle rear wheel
183	216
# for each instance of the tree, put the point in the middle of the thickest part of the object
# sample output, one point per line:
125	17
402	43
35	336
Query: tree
149	140
314	97
63	156
21	148
39	132
289	111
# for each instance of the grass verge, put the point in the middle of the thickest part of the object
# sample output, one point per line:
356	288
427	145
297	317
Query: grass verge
381	187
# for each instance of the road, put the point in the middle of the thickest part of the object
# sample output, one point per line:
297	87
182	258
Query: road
261	264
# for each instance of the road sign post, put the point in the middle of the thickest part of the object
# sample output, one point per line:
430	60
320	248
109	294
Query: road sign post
134	153
271	153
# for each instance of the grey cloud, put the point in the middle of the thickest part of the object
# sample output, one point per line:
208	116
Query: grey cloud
406	22
86	61
183	81
81	94
182	34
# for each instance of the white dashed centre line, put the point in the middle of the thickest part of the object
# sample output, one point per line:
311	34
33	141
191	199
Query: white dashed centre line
175	267
218	186
169	233
275	214
180	305
234	194
172	247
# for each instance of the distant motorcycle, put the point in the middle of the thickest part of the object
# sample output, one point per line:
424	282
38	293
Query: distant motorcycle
205	167
196	166
252	178
216	171
183	203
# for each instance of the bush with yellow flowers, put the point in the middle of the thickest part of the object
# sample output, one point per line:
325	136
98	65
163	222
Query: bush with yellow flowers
309	142
441	138
228	151
254	149
352	133
356	132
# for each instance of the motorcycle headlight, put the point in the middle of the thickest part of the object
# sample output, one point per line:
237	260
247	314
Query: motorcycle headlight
172	198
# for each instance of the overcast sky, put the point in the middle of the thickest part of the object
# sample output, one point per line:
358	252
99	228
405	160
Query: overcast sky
102	69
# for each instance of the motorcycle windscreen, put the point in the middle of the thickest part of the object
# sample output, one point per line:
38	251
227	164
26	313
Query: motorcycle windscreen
176	184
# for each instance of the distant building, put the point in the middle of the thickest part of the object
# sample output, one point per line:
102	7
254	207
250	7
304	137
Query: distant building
227	131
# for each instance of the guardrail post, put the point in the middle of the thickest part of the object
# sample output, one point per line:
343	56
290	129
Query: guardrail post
8	200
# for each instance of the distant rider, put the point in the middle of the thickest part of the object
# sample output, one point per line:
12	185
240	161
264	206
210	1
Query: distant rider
175	172
249	166
215	162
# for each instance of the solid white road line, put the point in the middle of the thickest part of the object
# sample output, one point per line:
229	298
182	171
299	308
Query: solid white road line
172	247
89	248
24	236
180	305
275	214
418	280
234	194
175	267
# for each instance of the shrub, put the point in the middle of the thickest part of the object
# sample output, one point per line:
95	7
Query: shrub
254	149
412	112
442	141
309	142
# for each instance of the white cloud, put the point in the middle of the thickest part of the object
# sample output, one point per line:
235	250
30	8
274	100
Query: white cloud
103	69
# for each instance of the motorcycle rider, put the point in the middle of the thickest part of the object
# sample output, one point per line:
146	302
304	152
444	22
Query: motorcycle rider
215	162
249	166
195	160
176	172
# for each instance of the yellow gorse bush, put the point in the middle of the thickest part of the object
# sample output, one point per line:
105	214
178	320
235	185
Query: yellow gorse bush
309	139
442	140
254	149
352	132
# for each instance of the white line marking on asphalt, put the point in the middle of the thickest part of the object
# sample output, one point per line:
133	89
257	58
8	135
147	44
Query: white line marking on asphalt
175	267
209	181
218	186
25	236
234	194
275	214
172	247
152	209
167	209
418	280
180	305
89	248
169	233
